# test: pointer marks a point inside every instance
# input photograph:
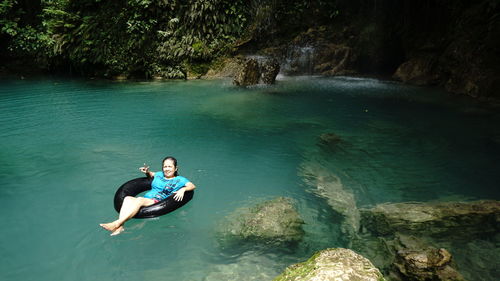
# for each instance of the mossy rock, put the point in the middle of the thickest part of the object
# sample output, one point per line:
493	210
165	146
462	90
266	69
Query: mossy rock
273	221
333	264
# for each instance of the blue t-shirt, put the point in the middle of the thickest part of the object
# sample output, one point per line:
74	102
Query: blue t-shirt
162	187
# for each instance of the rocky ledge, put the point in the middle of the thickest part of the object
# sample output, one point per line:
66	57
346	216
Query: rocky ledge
443	219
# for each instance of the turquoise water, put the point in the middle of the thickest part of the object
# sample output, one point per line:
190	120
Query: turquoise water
66	145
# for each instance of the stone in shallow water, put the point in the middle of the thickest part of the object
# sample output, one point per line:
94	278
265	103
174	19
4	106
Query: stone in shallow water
416	259
249	73
335	265
426	264
270	70
274	221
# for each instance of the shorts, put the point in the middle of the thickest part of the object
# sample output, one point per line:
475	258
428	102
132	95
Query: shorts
154	199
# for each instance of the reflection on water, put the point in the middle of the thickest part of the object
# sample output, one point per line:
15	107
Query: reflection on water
68	144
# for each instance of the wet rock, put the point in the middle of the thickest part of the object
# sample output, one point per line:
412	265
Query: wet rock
327	185
249	74
275	221
334	59
332	264
416	260
446	219
270	70
418	71
430	264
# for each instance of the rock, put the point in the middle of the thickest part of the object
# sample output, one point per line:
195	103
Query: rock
225	68
333	59
329	186
418	71
329	141
270	70
417	260
252	71
335	265
120	77
249	74
446	219
275	221
430	264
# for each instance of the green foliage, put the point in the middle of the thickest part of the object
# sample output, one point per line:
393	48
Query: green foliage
138	37
22	39
141	37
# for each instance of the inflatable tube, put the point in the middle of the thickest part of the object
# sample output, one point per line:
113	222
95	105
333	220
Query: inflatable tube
136	186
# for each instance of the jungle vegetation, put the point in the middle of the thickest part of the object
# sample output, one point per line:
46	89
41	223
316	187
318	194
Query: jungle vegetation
141	38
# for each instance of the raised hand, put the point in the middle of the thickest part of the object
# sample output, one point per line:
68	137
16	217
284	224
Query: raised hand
144	168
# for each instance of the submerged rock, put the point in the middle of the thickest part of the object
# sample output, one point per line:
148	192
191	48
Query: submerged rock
335	265
329	141
429	264
329	186
274	221
415	259
445	219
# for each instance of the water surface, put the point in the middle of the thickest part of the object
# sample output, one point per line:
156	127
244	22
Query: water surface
66	145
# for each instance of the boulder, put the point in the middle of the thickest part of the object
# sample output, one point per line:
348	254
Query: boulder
416	260
270	69
270	222
444	219
418	71
335	265
249	74
430	264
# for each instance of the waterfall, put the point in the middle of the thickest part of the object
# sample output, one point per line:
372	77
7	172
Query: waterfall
299	60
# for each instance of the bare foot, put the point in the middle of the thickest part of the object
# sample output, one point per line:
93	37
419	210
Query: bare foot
111	226
118	231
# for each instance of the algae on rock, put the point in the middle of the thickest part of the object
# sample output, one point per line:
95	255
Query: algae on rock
333	264
273	221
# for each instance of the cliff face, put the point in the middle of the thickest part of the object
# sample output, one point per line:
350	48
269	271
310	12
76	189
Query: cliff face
451	44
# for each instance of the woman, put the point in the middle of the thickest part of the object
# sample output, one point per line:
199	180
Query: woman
164	184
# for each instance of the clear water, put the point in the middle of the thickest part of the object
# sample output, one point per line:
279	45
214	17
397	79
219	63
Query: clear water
66	145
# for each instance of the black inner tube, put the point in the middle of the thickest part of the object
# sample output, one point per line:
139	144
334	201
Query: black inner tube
138	185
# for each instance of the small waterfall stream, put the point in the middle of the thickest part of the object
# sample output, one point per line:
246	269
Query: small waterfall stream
299	60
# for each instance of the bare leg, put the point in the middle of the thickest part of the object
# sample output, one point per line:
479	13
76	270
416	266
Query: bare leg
130	207
118	231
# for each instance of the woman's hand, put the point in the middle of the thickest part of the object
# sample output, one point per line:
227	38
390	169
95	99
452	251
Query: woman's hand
179	194
144	169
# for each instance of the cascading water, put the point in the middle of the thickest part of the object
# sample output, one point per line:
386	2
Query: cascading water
299	60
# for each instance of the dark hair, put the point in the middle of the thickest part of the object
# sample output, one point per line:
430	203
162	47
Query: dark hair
173	160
